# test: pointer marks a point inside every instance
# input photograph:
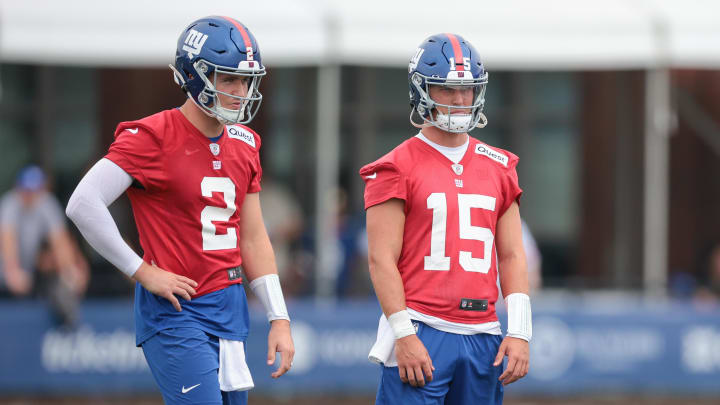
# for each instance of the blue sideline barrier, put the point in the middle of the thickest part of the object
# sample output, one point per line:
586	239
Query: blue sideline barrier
578	347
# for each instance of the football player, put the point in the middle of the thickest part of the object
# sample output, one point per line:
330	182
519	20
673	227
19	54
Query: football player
193	175
442	220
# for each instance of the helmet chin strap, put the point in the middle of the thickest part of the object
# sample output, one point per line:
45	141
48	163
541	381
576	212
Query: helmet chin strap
453	122
228	116
426	124
483	121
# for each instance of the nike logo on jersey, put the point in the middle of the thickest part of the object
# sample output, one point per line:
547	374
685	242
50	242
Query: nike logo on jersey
133	130
186	390
190	152
371	176
496	156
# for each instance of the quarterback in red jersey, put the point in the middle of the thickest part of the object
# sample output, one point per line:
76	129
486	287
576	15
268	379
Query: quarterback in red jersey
206	182
443	220
193	176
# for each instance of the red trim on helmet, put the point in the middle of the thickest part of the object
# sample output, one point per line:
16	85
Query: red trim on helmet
459	65
245	37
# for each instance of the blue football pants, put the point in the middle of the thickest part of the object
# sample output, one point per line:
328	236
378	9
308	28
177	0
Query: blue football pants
463	374
185	362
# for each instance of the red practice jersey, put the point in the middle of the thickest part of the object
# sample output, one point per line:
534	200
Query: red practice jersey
187	209
448	259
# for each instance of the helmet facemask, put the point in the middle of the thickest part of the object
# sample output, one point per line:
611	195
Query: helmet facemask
451	121
209	100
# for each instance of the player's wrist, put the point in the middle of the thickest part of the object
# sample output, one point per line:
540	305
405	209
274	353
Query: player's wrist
268	290
139	273
519	316
401	324
280	323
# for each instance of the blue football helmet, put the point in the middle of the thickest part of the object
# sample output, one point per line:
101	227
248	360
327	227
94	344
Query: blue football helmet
213	45
447	60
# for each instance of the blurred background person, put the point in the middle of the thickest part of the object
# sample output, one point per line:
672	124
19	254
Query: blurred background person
39	257
352	279
283	219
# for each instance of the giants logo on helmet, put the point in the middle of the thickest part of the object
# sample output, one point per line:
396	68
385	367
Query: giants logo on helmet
194	43
415	59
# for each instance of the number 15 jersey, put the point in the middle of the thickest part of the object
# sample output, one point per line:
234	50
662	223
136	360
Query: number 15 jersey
448	262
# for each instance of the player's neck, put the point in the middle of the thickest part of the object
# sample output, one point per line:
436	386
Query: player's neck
444	138
207	125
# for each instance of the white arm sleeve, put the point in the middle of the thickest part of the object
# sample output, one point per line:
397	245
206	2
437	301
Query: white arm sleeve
88	209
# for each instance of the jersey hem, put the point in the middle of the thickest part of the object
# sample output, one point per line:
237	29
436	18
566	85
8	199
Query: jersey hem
217	288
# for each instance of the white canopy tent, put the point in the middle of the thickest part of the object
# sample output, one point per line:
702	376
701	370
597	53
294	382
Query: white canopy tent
143	33
511	35
652	35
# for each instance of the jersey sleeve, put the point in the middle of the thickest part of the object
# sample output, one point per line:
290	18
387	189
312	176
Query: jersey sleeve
510	185
383	181
138	151
254	185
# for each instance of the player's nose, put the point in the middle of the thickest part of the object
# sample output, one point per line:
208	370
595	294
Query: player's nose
461	96
240	89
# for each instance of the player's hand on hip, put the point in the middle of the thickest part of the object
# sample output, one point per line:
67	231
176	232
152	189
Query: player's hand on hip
165	284
414	363
518	354
280	341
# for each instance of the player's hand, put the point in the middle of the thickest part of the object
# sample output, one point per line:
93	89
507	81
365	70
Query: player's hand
280	341
518	353
165	284
18	281
413	361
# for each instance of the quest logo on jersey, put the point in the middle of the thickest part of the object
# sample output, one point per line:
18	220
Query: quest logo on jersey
481	149
241	134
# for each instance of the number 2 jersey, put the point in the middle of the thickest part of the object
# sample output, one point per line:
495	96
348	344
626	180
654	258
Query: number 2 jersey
448	262
186	200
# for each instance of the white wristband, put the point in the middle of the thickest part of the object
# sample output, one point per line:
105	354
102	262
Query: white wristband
267	289
519	316
401	324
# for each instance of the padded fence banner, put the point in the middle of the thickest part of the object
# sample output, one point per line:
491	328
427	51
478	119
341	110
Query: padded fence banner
577	347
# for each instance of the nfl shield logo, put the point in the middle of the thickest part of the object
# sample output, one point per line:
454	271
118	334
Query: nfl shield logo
215	149
457	168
